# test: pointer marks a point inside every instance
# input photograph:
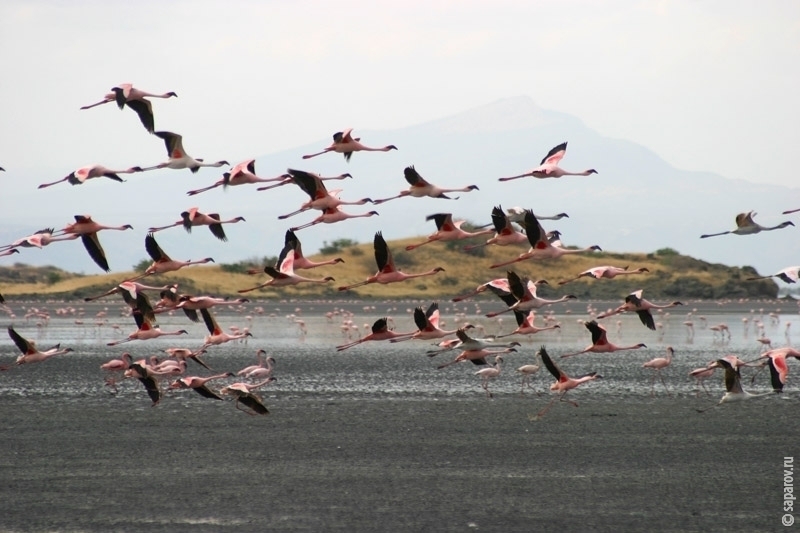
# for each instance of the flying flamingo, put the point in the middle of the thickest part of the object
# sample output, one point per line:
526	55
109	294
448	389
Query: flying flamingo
137	300
343	143
183	354
161	261
470	344
499	284
523	295
658	364
192	304
136	287
244	395
40	239
193	217
788	275
30	353
198	384
605	272
489	374
178	158
447	230
564	383
549	168
505	233
635	303
421	188
146	330
779	370
284	275
10	251
83	174
600	343
300	261
216	336
87	229
243	173
331	216
746	226
517	214
733	385
790	211
118	365
321	198
126	94
380	332
541	247
146	377
477	357
525	324
428	325
387	271
286	179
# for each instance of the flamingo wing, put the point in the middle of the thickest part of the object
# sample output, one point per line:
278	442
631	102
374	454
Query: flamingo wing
598	332
253	402
205	392
383	257
211	322
647	319
144	109
24	345
555	155
536	234
551	366
310	183
173	142
413	178
153	249
502	225
444	221
420	319
432	314
380	326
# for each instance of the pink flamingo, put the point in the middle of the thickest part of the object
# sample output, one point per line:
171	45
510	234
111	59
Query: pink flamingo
243	173
505	233
447	230
161	261
387	271
198	384
600	342
733	384
88	229
40	239
132	286
525	324
635	303
284	275
146	377
146	330
489	374
549	168
216	335
528	371
428	325
300	261
9	252
658	364
83	174
788	275
321	198
286	179
331	216
470	344
779	370
522	296
499	284
30	353
746	226
243	392
261	362
343	143
193	217
477	357
380	332
605	272
541	247
421	188
184	354
564	383
702	374
264	371
192	304
178	158
126	94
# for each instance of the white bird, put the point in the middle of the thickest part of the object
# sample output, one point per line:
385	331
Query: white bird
489	374
746	226
421	188
178	158
126	94
788	275
549	168
243	173
30	353
605	272
635	303
320	197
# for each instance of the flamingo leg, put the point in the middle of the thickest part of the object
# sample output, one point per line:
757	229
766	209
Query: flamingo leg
293	213
204	189
309	156
97	104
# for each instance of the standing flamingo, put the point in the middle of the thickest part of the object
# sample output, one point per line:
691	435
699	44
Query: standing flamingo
600	342
528	371
198	384
216	336
380	332
658	364
788	275
635	303
321	198
746	226
703	373
260	353
284	275
421	188
300	261
178	158
541	247
489	374
193	217
549	168
243	173
118	365
447	230
387	271
83	174
125	94
30	353
343	143
605	272
162	262
564	383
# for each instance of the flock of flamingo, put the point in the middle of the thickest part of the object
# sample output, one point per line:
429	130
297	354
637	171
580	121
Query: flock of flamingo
514	226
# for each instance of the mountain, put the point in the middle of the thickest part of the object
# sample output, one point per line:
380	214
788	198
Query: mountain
636	203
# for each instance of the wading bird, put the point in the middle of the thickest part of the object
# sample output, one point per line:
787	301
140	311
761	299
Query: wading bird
658	364
499	284
146	330
147	379
703	373
489	374
541	247
118	365
788	275
331	216
470	344
30	353
193	217
525	325
387	271
549	168
261	363
161	261
522	295
136	286
243	173
421	188
83	174
284	275
244	395
40	239
178	158
600	342
505	233
343	143
321	198
746	226
605	272
300	261
733	385
563	383
198	384
126	94
447	230
428	325
216	336
477	357
636	304
528	371
192	304
87	229
185	354
380	332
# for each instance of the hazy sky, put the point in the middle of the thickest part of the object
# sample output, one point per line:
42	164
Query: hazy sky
708	85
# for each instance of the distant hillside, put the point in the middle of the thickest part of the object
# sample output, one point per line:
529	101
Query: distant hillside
671	276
